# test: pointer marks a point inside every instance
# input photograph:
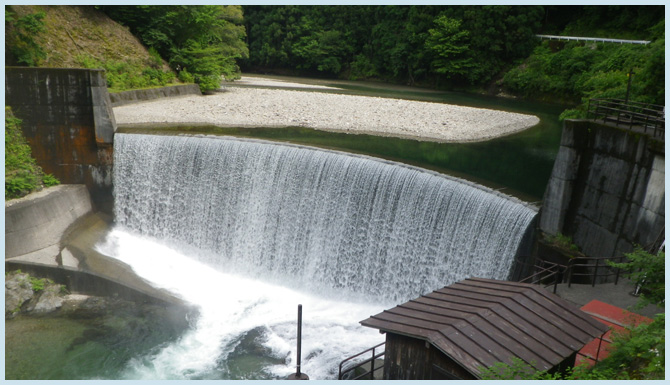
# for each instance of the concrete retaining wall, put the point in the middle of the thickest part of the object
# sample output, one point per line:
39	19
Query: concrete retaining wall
607	189
68	121
134	96
35	224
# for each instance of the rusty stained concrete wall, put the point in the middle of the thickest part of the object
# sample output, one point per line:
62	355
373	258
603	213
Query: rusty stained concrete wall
68	122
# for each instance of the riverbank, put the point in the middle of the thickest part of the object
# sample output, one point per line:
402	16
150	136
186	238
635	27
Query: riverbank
263	107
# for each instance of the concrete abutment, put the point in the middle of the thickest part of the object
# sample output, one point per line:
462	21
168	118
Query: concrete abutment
607	189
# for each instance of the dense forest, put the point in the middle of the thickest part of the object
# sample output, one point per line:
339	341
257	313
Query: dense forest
490	48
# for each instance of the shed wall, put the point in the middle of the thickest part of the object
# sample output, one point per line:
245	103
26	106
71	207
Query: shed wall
409	358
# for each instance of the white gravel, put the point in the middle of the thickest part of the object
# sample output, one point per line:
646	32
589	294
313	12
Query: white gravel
331	112
269	82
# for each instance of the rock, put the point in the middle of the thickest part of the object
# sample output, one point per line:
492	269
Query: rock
89	307
18	290
48	300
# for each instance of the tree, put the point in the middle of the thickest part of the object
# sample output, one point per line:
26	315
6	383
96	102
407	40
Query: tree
647	271
448	42
204	40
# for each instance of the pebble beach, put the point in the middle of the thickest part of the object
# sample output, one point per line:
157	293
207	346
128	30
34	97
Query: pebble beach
304	107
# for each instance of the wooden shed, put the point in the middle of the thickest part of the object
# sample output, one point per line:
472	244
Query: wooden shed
456	331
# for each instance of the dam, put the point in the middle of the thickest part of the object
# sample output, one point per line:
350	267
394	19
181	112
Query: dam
331	222
246	229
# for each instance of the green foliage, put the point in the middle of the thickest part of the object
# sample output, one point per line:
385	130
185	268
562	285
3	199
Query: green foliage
648	271
20	37
22	174
38	283
362	68
517	370
562	241
637	353
204	40
121	75
449	45
463	44
578	72
186	77
49	180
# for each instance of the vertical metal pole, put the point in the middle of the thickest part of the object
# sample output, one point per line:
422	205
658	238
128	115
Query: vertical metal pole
595	274
616	279
570	273
630	79
600	343
297	373
556	279
372	365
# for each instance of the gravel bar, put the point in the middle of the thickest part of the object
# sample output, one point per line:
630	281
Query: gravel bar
258	107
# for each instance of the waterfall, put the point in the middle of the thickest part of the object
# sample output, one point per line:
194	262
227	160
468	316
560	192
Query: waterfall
333	224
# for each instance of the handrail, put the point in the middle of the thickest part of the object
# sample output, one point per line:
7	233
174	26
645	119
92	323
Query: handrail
634	116
596	267
544	273
597	263
371	360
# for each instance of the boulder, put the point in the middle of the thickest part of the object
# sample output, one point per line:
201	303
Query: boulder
47	300
18	290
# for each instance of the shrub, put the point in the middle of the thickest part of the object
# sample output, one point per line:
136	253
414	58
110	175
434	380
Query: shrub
123	76
49	180
22	174
37	283
648	271
186	76
637	353
20	37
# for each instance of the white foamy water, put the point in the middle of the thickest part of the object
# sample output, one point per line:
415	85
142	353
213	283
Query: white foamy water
246	230
337	224
230	306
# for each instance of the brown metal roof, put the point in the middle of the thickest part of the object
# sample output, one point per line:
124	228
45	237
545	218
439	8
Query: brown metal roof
479	322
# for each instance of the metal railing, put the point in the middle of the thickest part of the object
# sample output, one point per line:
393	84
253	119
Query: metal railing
591	269
638	117
547	274
595	268
593	39
366	373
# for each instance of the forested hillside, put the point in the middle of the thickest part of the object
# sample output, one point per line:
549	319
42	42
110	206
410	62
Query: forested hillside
409	44
488	48
201	42
467	47
81	36
139	46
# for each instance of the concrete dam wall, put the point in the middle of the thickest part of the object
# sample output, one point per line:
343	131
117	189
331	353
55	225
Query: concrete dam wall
35	224
607	189
68	122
